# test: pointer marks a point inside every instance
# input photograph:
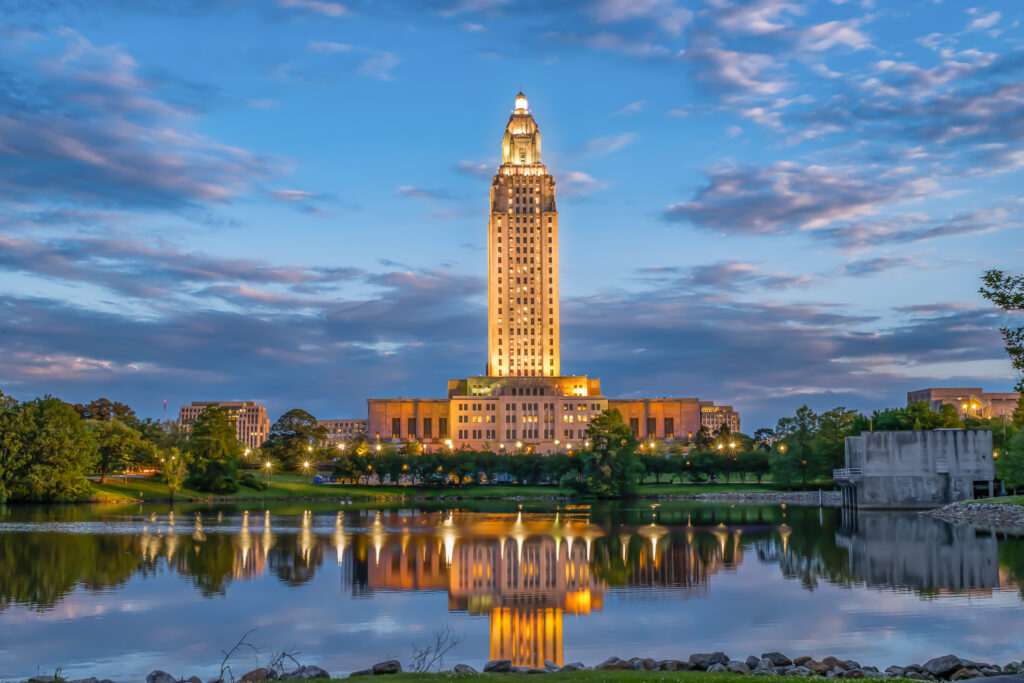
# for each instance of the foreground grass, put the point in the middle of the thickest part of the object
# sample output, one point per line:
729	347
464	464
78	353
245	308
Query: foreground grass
1002	500
588	676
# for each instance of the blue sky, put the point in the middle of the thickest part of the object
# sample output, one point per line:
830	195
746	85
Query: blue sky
761	203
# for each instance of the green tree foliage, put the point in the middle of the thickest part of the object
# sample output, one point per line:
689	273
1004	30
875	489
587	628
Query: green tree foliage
214	450
829	444
611	468
45	452
119	447
174	469
292	437
915	417
1007	292
104	409
1010	463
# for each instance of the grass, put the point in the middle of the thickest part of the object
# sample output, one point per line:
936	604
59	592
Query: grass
1003	500
589	676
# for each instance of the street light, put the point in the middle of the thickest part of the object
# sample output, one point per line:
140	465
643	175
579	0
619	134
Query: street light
267	465
305	467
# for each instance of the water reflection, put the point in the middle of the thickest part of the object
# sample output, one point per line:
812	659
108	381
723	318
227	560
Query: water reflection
524	571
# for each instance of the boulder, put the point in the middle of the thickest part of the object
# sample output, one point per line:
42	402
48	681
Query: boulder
531	670
645	664
704	660
737	667
498	666
88	680
780	670
391	666
753	661
819	668
778	659
799	671
850	664
854	673
196	679
895	670
551	666
305	673
613	663
943	666
255	676
916	675
464	669
717	668
159	677
961	674
801	660
833	662
574	666
361	672
55	677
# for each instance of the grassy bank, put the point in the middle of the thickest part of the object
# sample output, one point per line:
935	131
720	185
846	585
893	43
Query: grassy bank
1003	500
589	676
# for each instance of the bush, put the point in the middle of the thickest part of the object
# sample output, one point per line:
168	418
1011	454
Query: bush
214	476
252	482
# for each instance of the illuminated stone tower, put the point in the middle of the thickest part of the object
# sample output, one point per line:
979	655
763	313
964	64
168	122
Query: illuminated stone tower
522	257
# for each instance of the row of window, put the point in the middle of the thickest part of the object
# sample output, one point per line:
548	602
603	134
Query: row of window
428	428
652	427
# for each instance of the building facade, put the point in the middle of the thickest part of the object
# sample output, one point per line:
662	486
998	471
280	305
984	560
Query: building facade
340	431
523	402
968	401
251	422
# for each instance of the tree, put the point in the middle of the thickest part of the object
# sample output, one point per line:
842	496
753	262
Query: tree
763	438
611	468
798	434
1010	463
293	436
118	447
1007	292
214	450
45	452
829	443
174	469
104	409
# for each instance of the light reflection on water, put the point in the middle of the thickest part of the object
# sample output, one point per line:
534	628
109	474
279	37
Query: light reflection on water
117	593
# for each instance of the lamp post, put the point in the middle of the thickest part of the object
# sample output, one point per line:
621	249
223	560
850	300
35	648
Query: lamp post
305	467
267	466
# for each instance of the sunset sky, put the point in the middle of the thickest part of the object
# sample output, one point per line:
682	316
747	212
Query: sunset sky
762	203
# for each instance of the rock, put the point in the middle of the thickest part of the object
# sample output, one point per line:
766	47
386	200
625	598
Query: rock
779	670
551	666
965	672
943	666
895	670
531	670
574	666
850	664
215	680
854	673
799	671
255	676
159	677
833	662
717	668
737	667
800	661
778	659
613	663
361	672
498	666
88	680
753	661
464	669
704	660
196	679
305	673
764	665
391	666
916	675
819	668
913	667
55	677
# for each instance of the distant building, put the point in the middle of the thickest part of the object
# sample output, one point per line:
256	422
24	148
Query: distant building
968	401
916	469
339	431
523	402
713	417
251	422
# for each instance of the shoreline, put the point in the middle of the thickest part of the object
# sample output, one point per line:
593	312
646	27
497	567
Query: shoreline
996	516
942	668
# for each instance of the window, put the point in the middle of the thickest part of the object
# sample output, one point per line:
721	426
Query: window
634	425
670	428
442	427
396	427
427	428
411	424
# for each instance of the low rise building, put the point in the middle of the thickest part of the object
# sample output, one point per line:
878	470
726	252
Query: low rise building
250	419
713	417
968	401
340	431
916	469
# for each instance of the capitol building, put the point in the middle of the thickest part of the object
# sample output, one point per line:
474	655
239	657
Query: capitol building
523	402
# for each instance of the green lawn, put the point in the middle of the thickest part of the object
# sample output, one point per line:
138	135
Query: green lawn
589	676
1003	500
293	486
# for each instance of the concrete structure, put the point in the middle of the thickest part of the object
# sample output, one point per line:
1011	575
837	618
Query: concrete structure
251	422
340	431
968	401
523	402
924	469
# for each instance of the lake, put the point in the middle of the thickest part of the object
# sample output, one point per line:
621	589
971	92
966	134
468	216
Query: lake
120	591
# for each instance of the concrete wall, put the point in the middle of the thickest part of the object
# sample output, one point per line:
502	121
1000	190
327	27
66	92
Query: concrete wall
919	469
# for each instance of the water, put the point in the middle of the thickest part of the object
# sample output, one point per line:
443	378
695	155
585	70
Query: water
118	592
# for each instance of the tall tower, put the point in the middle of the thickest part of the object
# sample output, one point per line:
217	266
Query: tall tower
522	257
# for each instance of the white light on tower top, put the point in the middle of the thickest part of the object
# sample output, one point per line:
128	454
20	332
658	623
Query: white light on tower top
521	103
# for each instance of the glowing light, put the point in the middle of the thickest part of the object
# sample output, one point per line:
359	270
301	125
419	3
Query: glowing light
521	102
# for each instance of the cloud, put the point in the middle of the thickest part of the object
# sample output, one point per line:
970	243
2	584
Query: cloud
631	108
722	70
982	21
737	276
832	33
478	169
379	66
82	125
667	14
322	7
611	42
872	266
785	196
576	184
908	228
608	144
421	194
328	47
300	198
